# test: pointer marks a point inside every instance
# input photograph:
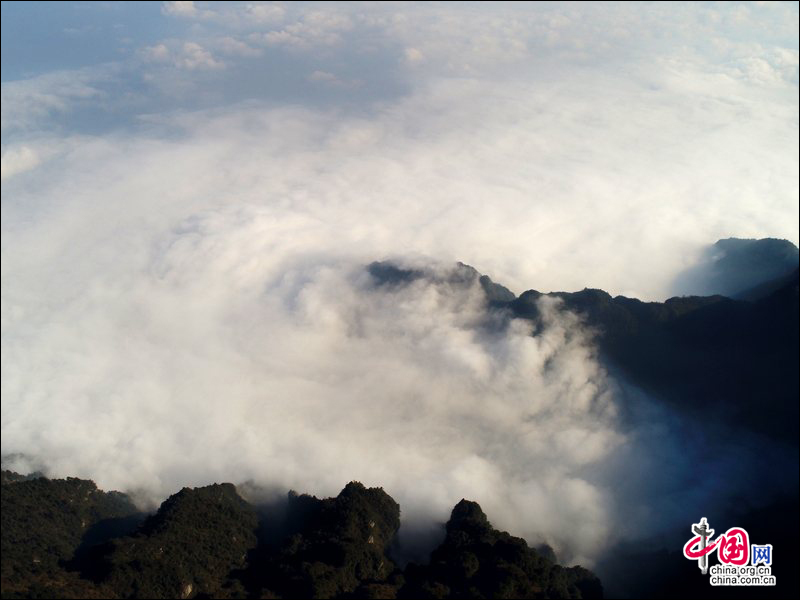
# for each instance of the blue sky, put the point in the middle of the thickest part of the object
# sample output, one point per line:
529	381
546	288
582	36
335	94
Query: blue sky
147	58
190	192
39	37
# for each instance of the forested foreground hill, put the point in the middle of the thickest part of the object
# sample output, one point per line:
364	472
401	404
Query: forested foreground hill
64	538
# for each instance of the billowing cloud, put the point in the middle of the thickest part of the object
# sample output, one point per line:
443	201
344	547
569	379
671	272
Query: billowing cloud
264	12
189	55
28	103
157	53
179	9
184	296
194	56
230	14
232	46
320	376
317	28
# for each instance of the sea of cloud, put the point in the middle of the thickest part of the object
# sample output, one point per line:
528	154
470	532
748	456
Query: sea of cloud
184	294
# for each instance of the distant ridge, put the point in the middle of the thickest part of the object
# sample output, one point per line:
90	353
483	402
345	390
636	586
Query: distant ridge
747	269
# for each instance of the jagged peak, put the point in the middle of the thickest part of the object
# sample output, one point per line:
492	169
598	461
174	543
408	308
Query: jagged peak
467	512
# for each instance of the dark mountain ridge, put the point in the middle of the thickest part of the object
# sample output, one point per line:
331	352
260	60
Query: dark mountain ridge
734	357
697	354
207	543
745	269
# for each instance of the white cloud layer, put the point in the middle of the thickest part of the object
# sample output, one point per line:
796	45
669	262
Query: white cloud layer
191	55
180	9
183	300
26	103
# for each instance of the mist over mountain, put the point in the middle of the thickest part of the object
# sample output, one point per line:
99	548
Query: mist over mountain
451	251
734	359
697	413
744	269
